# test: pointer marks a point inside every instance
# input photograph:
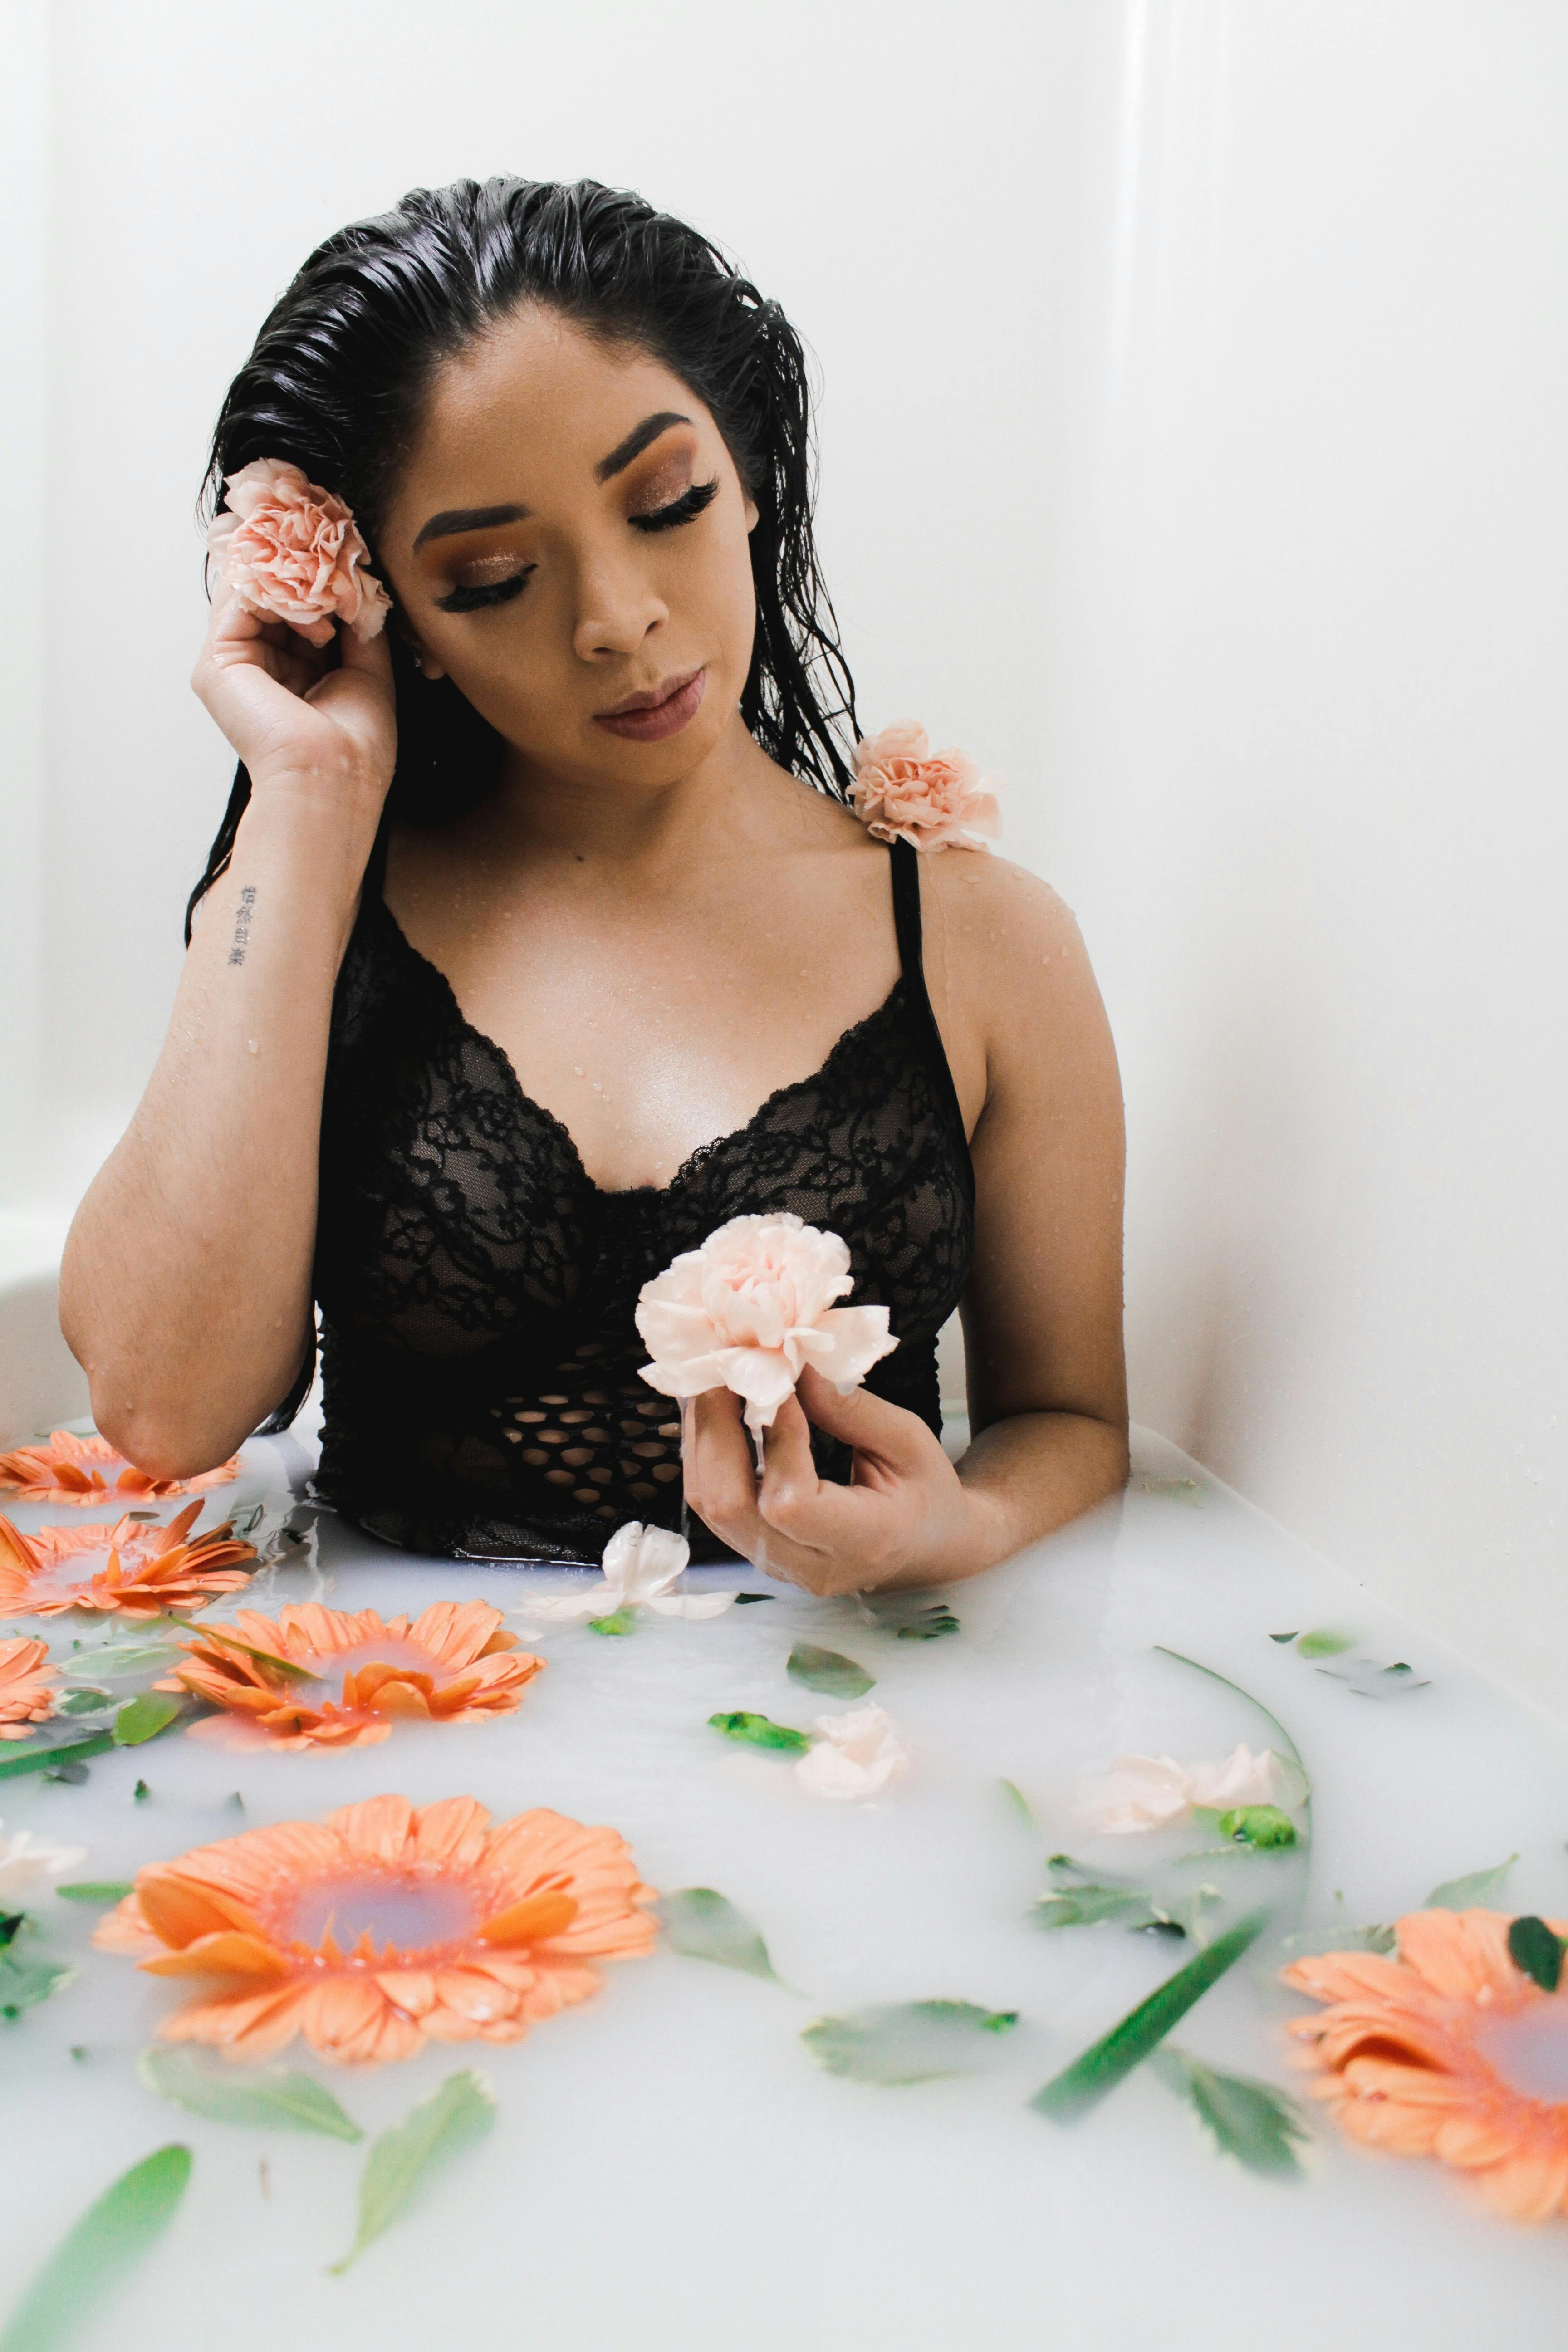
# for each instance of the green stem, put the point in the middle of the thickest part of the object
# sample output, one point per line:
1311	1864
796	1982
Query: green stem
40	1760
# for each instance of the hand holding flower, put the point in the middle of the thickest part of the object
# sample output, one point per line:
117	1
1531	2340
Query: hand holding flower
905	1518
289	563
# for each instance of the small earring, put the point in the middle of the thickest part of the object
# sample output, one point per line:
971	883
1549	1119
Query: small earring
418	664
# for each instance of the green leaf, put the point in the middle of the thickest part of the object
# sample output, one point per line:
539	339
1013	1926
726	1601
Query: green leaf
706	1926
1109	2060
827	1670
1282	1637
290	2102
85	1702
1018	1804
140	1794
24	1983
749	1599
1311	1940
1245	2118
930	1625
288	1668
109	2240
620	1621
1065	1866
1460	1894
1536	1951
761	1731
403	2161
1179	1490
48	1758
1263	1827
1086	1907
101	1891
1324	1642
913	2043
144	1717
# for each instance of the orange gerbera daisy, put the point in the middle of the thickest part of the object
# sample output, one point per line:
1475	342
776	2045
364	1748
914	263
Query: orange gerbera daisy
27	1687
452	1664
384	1926
1410	2049
134	1569
88	1470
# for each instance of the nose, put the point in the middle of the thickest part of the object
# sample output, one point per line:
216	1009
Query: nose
618	608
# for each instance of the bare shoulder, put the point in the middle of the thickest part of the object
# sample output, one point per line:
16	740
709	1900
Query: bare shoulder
1009	977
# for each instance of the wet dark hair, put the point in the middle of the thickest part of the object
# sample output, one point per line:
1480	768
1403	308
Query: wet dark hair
340	370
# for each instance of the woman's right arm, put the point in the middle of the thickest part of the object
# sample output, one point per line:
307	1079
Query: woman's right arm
186	1291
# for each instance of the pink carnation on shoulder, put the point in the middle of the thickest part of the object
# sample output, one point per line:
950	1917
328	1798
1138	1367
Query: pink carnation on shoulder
292	553
751	1308
903	790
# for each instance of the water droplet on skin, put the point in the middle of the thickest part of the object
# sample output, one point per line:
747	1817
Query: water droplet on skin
577	1069
251	1046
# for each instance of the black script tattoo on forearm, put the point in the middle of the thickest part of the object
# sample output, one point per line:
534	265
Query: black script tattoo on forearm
242	925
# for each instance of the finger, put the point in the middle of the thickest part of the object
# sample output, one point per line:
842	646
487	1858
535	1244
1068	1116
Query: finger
789	1472
720	1484
883	1435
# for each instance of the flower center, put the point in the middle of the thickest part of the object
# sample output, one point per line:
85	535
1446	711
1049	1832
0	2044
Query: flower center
332	1670
52	1581
408	1914
1529	2053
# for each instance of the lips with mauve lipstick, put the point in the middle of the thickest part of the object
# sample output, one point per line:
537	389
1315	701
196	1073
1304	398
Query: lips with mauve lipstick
662	710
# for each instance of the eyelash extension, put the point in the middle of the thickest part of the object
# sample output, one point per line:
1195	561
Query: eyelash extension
472	600
685	508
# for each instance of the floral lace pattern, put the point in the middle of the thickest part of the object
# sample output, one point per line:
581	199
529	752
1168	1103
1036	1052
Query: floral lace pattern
478	1289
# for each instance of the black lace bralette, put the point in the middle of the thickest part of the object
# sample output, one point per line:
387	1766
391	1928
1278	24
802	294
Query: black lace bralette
476	1289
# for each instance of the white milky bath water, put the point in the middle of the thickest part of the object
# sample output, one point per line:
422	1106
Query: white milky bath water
670	2167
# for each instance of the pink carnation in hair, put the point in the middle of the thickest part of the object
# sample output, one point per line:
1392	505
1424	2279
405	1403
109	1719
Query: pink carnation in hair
292	553
751	1308
903	790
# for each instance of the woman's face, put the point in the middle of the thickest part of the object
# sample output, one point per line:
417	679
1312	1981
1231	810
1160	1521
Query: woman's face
568	537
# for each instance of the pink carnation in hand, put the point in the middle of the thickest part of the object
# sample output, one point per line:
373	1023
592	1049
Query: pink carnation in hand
903	790
751	1308
292	553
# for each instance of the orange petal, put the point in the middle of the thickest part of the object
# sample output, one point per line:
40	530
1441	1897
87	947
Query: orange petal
228	1954
529	1922
378	1829
453	1831
178	1912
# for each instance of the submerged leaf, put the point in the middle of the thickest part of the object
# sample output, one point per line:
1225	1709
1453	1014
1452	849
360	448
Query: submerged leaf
109	2238
1282	1637
1460	1894
142	1718
829	1671
293	2101
1109	2060
1245	2118
1263	1827
85	1702
1366	1679
1018	1804
51	1755
704	1925
746	1600
404	2160
620	1620
1179	1490
1086	1907
24	1983
103	1891
913	2043
1324	1642
761	1731
930	1625
1309	1940
1536	1951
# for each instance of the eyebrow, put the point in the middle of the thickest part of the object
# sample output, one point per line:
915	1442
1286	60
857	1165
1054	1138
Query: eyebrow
636	442
458	518
454	520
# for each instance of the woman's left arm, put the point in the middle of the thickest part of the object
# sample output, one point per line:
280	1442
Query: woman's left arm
1028	1037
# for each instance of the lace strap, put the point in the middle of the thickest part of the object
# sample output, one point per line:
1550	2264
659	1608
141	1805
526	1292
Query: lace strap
906	865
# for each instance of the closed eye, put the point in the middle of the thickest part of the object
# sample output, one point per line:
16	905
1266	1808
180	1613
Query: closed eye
685	508
471	600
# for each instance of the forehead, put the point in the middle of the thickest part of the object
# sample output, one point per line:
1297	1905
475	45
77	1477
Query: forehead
535	395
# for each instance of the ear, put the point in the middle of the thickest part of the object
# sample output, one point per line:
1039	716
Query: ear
424	661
